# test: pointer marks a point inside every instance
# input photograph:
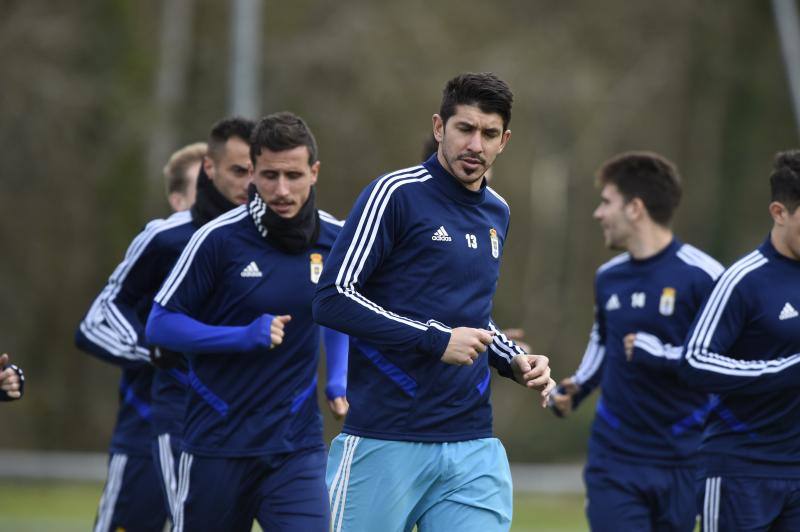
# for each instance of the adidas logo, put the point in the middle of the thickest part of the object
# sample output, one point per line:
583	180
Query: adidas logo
441	235
251	270
788	312
612	303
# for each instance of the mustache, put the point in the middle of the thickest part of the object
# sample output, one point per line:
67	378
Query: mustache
471	155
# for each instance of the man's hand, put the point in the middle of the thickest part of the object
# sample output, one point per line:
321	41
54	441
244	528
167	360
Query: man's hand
276	329
465	345
9	380
561	398
533	371
628	341
518	336
339	407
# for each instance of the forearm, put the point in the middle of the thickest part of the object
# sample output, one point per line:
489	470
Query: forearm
336	351
179	332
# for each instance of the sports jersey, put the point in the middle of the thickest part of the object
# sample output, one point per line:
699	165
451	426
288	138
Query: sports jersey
418	255
646	413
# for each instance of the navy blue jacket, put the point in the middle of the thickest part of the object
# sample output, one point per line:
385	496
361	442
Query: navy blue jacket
646	413
113	329
418	255
745	346
244	398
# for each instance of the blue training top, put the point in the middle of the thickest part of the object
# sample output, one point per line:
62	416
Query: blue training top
418	254
216	306
646	413
745	346
113	329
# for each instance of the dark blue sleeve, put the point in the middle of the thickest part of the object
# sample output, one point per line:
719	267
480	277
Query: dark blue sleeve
501	351
112	329
179	332
707	364
366	239
337	346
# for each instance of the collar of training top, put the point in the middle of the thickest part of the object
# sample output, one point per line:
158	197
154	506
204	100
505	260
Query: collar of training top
292	235
452	186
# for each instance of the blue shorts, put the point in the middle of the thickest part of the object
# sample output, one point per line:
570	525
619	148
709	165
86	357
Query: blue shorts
166	452
282	492
131	498
749	504
391	486
622	495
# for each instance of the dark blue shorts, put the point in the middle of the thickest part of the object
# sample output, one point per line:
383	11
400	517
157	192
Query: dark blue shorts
283	493
627	496
749	504
131	500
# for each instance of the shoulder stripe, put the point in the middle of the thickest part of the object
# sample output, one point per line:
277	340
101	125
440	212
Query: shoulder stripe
180	269
697	347
695	257
364	237
619	259
498	196
105	325
327	217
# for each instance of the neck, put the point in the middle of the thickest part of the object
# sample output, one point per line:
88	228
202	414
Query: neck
776	236
649	241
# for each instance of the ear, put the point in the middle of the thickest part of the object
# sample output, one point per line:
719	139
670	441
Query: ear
175	200
636	209
314	172
504	140
438	128
779	212
208	166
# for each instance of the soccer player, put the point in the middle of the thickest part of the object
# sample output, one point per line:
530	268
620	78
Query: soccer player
640	471
180	175
238	303
745	346
411	280
12	380
113	330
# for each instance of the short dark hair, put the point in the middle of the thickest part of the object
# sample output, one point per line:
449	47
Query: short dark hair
225	129
647	176
490	93
785	179
282	131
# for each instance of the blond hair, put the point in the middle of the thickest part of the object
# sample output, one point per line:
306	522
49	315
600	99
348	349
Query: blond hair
175	169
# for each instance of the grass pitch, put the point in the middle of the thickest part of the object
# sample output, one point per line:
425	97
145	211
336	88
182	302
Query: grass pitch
27	506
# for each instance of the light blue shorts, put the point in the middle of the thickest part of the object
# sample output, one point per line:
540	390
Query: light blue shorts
389	486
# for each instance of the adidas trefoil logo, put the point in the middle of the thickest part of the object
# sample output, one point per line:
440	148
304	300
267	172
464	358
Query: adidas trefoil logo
788	312
441	235
251	270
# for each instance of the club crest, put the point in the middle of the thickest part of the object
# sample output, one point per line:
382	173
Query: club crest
316	267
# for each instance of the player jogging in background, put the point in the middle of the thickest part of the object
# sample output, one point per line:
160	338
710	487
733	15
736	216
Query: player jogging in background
139	489
641	469
411	279
745	346
238	304
180	175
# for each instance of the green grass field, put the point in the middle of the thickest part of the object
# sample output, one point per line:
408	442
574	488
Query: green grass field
64	507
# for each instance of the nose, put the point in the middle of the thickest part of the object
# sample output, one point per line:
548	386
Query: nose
475	145
597	214
282	187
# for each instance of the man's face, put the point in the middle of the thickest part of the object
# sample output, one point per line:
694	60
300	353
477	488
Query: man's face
182	201
789	229
284	179
469	143
614	218
231	172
